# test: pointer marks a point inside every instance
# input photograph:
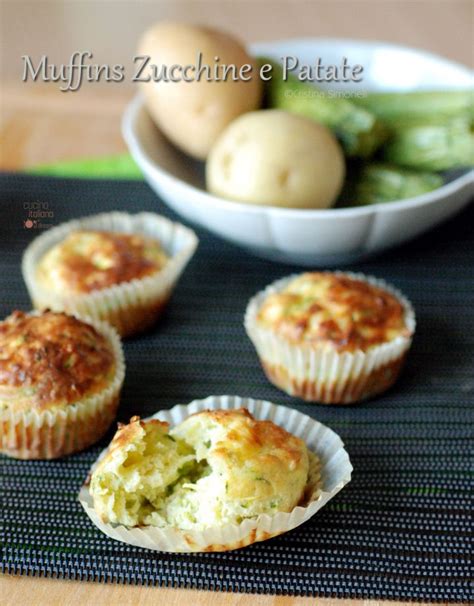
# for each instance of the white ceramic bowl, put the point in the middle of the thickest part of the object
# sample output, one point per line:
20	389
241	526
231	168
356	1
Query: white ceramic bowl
309	237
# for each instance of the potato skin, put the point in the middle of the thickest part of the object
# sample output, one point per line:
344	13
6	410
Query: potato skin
193	114
275	158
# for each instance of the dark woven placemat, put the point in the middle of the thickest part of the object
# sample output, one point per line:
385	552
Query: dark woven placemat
400	529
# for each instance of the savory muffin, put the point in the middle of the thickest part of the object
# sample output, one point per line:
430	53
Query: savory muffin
88	260
331	337
142	463
115	267
60	379
216	467
334	311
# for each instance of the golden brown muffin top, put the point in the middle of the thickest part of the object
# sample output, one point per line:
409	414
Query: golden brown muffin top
93	260
51	360
333	310
247	434
255	457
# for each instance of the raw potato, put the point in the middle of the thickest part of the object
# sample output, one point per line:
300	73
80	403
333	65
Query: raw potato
275	158
193	114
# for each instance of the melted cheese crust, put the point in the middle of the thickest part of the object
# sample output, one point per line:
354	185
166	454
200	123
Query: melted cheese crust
335	311
51	360
93	260
258	460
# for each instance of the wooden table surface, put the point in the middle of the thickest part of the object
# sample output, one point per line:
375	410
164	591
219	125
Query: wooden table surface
20	591
39	124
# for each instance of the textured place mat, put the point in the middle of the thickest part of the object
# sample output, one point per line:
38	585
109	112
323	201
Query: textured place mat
401	529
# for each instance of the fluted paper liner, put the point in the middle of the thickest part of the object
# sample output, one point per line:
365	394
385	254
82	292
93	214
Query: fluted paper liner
330	470
130	306
325	375
49	434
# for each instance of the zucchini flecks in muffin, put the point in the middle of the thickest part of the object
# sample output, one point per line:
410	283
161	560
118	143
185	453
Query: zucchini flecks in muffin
220	467
51	359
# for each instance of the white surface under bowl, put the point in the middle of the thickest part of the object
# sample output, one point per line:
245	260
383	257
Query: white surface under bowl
314	238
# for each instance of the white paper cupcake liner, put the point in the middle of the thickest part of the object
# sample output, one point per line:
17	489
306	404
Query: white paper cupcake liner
50	434
130	306
321	374
327	477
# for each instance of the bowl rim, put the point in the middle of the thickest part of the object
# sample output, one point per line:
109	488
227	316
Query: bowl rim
136	147
369	44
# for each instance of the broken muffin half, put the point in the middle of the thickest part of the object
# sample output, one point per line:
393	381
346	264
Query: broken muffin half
216	467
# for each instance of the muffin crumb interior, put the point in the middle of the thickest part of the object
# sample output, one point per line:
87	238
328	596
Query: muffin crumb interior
199	474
